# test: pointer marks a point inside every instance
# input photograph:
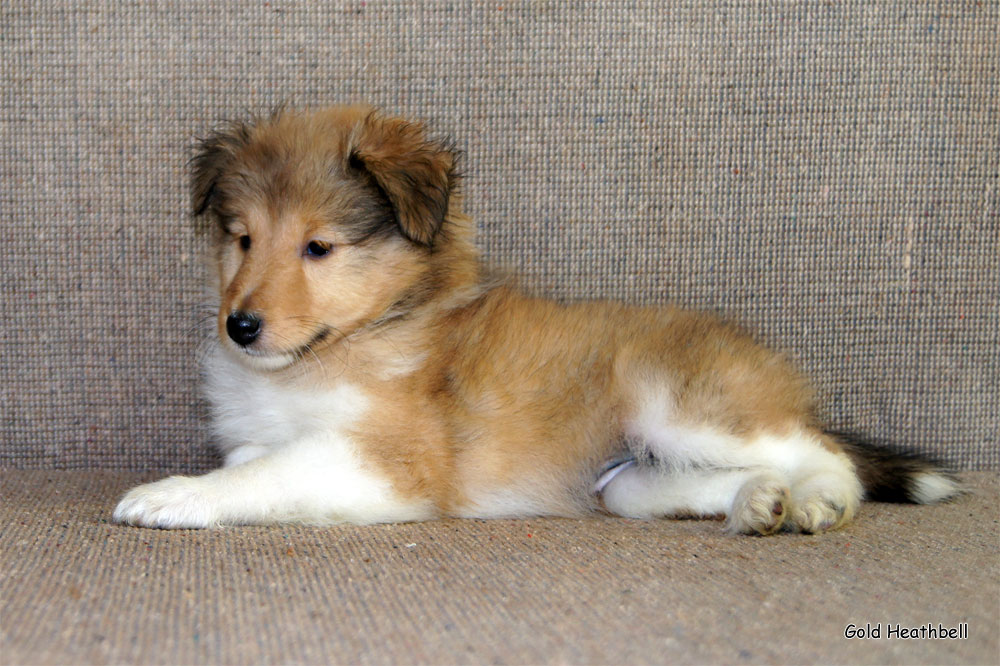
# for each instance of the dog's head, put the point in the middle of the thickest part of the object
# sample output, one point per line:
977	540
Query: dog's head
326	222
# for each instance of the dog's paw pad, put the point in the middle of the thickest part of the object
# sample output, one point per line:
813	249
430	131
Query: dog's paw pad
173	503
760	507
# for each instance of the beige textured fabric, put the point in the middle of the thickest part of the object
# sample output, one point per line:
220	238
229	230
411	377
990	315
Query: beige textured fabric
825	172
78	590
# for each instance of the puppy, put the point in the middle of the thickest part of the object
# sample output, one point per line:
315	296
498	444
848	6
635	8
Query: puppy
368	369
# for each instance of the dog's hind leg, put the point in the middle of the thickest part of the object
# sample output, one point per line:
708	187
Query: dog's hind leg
754	500
719	454
797	480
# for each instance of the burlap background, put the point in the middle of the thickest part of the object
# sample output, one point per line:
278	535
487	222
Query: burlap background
825	172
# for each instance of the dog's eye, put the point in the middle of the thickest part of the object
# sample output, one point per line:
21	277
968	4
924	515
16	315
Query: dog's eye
244	242
317	249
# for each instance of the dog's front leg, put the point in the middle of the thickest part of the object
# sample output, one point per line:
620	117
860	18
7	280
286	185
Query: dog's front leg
316	480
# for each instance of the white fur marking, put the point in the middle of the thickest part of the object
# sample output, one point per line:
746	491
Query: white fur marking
930	487
252	410
648	492
316	480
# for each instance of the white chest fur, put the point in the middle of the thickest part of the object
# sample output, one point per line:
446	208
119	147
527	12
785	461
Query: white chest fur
253	413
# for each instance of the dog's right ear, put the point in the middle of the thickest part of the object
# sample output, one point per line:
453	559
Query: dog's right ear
213	154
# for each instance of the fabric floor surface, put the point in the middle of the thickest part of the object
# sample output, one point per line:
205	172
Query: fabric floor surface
77	589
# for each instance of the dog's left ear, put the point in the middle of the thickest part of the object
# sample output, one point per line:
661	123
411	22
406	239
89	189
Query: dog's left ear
416	174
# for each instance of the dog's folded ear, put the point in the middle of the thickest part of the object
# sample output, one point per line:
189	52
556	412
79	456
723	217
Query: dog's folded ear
416	174
212	156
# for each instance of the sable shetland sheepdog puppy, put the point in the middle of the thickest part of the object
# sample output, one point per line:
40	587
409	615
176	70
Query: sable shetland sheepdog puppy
367	368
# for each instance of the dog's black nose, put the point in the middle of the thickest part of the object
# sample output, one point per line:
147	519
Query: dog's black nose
243	328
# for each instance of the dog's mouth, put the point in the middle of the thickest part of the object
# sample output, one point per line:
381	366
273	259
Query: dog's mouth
314	341
271	359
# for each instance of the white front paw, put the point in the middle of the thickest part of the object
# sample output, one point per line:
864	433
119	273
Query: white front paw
174	503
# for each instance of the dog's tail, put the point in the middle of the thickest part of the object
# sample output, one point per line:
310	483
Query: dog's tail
888	475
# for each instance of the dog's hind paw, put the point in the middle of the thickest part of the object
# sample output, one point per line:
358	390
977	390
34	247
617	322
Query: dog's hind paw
824	501
760	506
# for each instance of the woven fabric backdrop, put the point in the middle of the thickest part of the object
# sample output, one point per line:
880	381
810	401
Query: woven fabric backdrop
825	172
